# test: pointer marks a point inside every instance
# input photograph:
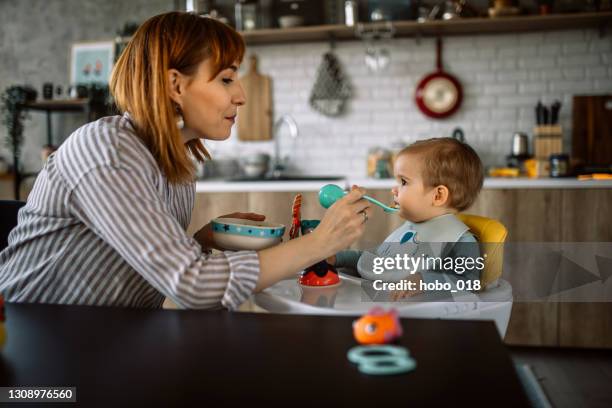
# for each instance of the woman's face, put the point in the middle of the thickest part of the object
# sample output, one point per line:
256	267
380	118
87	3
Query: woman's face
209	107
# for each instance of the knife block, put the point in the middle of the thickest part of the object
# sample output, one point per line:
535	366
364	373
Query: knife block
547	140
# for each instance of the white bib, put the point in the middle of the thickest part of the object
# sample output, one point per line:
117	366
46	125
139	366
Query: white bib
424	239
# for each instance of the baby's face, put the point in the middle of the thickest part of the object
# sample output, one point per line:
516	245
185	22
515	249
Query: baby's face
414	199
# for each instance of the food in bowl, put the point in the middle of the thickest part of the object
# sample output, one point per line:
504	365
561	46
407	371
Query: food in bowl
239	234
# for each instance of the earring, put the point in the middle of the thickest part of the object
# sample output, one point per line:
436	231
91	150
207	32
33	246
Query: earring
180	122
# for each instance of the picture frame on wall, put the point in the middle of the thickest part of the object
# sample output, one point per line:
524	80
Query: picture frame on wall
91	62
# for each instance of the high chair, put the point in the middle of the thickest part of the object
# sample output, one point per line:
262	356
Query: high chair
491	235
492	302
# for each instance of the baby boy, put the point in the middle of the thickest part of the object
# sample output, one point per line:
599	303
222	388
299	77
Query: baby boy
436	179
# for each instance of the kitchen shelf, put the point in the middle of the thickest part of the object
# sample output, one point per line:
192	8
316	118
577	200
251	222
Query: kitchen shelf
466	26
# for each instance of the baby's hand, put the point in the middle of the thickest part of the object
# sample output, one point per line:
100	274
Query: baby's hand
398	295
402	294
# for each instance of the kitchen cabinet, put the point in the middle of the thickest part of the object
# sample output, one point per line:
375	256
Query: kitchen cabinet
554	215
530	215
586	216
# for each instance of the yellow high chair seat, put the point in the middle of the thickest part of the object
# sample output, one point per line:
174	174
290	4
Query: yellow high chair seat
491	235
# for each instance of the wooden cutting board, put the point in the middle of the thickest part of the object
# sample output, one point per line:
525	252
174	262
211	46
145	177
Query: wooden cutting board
255	117
592	130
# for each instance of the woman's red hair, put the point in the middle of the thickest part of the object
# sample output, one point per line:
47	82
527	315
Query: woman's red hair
140	85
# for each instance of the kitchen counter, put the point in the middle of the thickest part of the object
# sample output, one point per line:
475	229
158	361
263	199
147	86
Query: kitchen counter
368	183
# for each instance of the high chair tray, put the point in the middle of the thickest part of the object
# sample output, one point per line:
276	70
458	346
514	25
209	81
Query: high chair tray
350	298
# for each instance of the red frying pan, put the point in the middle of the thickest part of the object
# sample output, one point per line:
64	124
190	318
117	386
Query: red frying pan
439	94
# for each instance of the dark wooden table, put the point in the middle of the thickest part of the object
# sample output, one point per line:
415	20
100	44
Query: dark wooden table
137	357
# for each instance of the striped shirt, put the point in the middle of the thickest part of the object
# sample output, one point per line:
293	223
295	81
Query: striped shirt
103	226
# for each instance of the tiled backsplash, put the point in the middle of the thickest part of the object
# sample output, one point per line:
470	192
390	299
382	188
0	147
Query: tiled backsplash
503	77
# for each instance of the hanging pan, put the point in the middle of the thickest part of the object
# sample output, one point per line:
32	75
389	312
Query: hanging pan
439	94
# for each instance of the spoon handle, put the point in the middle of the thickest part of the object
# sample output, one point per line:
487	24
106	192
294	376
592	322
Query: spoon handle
384	206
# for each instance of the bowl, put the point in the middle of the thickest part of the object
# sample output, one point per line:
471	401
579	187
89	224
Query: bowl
225	167
290	21
254	170
255	165
239	234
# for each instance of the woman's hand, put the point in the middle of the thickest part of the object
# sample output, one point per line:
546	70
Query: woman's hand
343	223
205	237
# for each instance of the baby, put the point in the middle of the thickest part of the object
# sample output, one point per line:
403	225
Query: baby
436	179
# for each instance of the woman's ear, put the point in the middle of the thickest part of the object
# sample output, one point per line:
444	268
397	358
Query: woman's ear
441	196
176	85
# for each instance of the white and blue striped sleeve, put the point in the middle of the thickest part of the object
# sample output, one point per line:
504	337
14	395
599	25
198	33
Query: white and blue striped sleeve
122	206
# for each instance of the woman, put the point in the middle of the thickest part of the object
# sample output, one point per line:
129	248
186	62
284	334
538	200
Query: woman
105	222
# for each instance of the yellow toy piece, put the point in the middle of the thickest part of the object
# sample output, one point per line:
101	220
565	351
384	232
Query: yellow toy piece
491	235
595	176
504	172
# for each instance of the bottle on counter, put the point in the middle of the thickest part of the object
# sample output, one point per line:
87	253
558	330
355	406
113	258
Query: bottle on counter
374	154
351	9
382	169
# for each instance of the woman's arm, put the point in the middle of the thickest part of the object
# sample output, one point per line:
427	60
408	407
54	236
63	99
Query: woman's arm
123	207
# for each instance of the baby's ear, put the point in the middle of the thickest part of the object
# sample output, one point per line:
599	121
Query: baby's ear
441	196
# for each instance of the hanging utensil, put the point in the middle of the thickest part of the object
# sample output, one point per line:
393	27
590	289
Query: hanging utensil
331	90
439	94
459	135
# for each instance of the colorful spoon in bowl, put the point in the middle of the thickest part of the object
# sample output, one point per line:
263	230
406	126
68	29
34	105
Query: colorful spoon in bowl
330	193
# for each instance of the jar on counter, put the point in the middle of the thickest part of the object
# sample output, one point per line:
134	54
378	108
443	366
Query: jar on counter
559	165
382	169
374	155
245	15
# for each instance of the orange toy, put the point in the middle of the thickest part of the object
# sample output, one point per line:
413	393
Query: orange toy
319	274
294	232
377	327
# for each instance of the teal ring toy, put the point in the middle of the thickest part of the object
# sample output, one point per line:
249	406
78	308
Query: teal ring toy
392	359
360	354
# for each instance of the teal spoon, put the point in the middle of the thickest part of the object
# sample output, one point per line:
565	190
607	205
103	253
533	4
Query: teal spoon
330	193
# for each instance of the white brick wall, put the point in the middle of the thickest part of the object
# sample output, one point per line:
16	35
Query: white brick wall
503	77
